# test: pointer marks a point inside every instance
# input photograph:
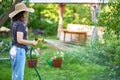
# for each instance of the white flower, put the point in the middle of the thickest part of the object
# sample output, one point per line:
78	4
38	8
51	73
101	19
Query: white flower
58	54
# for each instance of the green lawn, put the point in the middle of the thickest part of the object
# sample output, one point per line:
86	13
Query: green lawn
68	71
74	67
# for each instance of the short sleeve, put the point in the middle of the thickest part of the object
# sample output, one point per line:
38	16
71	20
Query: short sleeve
20	27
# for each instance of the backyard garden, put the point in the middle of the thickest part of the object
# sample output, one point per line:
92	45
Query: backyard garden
77	65
99	60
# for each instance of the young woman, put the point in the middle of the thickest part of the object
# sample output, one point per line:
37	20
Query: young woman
19	40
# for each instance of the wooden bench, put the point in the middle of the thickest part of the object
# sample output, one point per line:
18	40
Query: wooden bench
65	31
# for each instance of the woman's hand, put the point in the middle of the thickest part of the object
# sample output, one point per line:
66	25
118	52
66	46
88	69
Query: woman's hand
34	43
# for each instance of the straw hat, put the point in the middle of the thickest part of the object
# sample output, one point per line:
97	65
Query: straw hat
20	7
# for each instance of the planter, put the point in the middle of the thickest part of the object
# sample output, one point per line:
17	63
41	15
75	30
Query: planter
30	63
57	62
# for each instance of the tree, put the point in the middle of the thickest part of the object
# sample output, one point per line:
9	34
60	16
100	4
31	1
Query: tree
4	15
111	19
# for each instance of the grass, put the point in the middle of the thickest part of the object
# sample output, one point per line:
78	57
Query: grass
72	68
75	67
66	72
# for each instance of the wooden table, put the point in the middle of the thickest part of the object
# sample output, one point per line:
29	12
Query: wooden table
75	32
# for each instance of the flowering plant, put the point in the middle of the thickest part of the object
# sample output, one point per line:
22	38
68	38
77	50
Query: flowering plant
35	54
58	55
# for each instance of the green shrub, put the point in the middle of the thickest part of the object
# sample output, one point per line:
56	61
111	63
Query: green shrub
107	54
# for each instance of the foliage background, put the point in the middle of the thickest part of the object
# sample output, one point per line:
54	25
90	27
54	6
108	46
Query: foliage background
106	54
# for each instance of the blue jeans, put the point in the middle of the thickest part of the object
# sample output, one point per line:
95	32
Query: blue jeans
18	58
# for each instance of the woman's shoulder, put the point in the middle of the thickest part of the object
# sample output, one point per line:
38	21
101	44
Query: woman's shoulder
18	22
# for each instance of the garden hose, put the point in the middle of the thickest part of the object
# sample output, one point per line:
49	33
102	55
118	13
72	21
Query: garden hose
33	64
38	40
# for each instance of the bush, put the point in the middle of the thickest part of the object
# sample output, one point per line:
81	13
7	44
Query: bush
107	54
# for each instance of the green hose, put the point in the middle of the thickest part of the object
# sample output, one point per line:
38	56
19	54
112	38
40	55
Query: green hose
33	63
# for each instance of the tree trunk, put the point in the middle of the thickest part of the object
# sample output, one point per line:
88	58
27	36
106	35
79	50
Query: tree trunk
61	10
4	17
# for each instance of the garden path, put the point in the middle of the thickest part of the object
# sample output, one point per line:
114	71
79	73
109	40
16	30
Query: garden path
60	45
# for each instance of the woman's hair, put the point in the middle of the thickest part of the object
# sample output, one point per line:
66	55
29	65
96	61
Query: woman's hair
18	16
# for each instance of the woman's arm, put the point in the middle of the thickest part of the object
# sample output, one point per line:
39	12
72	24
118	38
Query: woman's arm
20	40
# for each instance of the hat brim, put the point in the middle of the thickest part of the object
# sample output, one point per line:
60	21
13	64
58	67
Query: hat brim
12	14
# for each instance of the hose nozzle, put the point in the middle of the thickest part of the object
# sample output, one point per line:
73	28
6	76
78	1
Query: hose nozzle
39	39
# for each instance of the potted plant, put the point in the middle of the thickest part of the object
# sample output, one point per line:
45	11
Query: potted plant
35	55
57	59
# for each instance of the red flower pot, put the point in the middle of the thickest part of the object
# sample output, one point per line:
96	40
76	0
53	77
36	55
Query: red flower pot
30	63
57	62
